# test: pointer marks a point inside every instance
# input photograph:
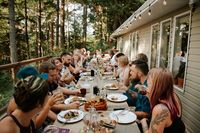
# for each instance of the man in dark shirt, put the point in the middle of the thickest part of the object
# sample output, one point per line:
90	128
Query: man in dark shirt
135	93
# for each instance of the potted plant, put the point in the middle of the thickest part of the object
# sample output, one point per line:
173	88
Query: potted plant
181	74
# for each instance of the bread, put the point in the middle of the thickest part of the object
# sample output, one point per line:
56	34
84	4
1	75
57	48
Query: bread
98	105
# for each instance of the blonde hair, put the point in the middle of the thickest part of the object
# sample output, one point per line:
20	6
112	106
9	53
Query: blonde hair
123	60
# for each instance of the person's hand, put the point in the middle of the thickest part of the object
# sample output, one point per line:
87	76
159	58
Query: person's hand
77	91
122	86
55	98
138	86
134	95
77	69
74	105
141	88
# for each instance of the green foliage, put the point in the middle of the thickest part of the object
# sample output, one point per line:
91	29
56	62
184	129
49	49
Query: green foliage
6	87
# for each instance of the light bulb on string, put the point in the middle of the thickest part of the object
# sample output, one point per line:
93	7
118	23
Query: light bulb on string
135	18
164	2
140	16
149	12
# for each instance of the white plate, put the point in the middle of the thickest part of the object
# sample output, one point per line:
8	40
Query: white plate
109	87
86	78
61	115
126	117
117	97
70	100
107	73
85	74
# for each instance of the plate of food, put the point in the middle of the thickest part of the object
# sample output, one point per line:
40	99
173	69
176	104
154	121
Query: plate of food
111	86
70	116
125	116
108	120
97	103
74	99
117	97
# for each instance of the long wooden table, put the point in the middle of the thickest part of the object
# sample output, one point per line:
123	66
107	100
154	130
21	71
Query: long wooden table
120	128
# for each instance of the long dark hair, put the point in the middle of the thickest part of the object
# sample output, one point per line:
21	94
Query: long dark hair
162	89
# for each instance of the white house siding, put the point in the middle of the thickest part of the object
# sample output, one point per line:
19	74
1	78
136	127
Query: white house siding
126	45
191	97
144	36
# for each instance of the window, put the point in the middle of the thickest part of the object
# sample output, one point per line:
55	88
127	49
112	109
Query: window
133	45
165	41
181	33
154	45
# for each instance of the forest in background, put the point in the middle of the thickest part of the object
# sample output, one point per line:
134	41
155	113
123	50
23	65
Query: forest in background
36	28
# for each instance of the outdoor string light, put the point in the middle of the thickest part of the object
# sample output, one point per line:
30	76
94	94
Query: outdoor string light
140	16
140	13
149	10
135	18
164	2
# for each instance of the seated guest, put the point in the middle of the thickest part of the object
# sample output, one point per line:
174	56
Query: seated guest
165	104
113	60
62	80
142	57
47	67
123	71
71	72
45	112
138	73
30	95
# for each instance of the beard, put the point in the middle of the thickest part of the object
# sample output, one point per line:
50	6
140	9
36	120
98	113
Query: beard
67	64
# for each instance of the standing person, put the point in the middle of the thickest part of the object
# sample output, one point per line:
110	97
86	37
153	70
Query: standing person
165	104
30	96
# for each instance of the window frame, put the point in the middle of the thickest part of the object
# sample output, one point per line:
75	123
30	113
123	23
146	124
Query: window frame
160	41
173	44
151	38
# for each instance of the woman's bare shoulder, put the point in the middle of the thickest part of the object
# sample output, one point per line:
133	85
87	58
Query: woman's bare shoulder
7	125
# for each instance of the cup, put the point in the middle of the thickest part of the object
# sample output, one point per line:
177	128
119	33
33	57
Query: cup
92	72
83	91
95	90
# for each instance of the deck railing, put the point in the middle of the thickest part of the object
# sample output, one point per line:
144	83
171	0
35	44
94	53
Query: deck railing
15	66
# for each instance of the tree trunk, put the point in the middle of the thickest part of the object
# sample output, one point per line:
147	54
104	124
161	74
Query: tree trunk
68	39
40	29
84	24
62	28
13	48
26	30
37	41
57	25
48	28
52	35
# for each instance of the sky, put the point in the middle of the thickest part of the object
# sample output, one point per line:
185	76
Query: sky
78	12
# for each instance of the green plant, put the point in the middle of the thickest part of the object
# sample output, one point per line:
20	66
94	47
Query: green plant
6	87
